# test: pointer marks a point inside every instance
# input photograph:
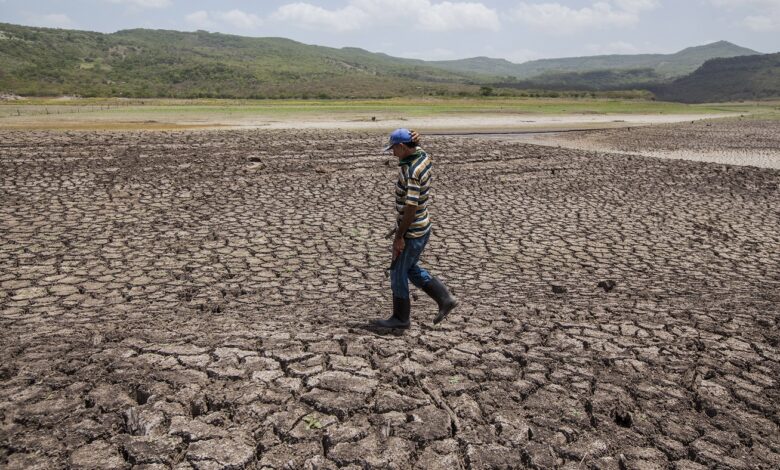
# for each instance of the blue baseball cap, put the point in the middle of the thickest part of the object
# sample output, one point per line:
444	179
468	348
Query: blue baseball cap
399	136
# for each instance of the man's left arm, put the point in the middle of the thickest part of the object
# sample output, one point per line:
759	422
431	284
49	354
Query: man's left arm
406	222
410	210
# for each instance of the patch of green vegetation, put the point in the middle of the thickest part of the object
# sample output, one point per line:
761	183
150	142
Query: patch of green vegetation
312	422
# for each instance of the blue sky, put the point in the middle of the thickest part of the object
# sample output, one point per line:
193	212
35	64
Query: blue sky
433	29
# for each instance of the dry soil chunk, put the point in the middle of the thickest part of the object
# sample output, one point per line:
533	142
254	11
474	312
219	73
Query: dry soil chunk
151	449
373	452
97	455
440	455
226	453
29	293
493	456
180	350
290	455
427	424
194	430
689	465
108	397
29	462
339	404
339	381
388	400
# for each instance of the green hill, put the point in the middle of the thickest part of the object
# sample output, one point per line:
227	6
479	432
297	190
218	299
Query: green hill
738	78
665	65
480	65
146	63
596	80
158	63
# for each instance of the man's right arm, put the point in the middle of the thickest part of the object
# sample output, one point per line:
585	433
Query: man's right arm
415	137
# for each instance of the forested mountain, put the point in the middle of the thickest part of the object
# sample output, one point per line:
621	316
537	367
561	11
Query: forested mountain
596	80
665	65
41	61
738	78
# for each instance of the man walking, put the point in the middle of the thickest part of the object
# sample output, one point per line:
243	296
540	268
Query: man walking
413	228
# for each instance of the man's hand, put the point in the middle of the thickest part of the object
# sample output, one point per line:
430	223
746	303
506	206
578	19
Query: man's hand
415	137
398	247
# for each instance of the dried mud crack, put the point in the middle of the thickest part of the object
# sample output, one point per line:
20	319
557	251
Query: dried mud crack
198	301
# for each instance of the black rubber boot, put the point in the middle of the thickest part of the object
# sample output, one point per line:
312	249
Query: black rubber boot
438	292
400	318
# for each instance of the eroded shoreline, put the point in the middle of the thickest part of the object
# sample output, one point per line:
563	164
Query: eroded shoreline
732	142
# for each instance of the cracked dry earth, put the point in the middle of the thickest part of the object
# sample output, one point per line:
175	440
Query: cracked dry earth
199	301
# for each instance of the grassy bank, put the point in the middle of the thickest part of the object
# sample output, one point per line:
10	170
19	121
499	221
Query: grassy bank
422	106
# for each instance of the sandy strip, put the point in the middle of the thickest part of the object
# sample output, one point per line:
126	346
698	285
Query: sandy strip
493	123
361	122
762	158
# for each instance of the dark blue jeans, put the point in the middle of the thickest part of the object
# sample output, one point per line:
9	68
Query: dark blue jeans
406	268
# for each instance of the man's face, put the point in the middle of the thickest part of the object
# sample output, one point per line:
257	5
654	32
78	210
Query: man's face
402	151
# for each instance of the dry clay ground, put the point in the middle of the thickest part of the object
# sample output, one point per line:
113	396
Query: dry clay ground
199	300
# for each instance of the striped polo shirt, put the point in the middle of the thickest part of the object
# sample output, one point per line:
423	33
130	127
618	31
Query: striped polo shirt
412	189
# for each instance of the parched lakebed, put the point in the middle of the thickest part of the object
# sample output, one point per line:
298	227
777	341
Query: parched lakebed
201	300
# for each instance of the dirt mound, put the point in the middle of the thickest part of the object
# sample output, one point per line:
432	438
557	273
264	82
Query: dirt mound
9	97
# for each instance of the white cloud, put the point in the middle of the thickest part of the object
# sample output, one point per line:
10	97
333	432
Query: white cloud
433	54
421	14
239	19
448	16
311	16
763	15
617	47
200	19
763	24
143	3
516	55
560	19
519	56
635	5
749	3
52	20
236	18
